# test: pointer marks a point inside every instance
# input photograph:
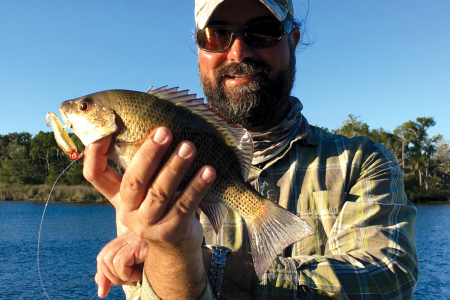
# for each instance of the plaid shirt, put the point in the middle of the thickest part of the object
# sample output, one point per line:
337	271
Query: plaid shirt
351	192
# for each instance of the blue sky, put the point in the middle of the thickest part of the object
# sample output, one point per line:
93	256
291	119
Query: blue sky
385	61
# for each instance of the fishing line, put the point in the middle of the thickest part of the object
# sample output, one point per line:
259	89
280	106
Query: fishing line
42	220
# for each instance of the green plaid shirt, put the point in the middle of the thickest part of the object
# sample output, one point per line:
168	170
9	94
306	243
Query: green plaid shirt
351	192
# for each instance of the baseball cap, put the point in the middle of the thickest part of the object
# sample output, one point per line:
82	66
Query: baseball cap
205	8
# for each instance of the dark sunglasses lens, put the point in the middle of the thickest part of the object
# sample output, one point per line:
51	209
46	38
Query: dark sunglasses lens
258	35
264	34
213	38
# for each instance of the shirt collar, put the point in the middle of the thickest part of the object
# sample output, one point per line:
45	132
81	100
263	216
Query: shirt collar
294	127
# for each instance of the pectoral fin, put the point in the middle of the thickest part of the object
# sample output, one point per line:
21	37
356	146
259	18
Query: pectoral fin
123	152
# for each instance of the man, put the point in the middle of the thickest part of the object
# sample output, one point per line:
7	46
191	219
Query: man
349	190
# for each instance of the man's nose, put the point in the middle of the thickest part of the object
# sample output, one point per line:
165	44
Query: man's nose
239	50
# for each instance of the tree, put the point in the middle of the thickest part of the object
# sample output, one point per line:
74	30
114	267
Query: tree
19	171
392	142
2	146
419	147
16	167
353	126
37	160
44	149
440	162
59	161
441	155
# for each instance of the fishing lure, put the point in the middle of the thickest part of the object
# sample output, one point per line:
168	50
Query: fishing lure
62	137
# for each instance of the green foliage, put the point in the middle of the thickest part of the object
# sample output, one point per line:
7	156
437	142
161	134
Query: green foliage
441	156
19	171
418	195
419	147
72	176
353	126
426	159
36	160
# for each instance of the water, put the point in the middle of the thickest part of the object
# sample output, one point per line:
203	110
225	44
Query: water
71	238
73	234
433	247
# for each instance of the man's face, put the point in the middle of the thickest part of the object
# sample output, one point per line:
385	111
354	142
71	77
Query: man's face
248	86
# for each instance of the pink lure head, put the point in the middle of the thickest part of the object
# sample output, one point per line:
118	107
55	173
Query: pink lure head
74	154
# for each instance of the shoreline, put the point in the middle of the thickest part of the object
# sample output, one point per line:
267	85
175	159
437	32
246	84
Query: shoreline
61	193
81	194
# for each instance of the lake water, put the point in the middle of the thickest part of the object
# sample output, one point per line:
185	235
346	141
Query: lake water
73	234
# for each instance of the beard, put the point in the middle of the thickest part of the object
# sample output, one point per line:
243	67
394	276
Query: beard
255	103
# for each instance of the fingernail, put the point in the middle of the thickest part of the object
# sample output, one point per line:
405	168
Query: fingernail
160	136
184	151
207	175
100	291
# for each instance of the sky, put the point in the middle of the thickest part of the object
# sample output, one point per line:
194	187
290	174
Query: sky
385	61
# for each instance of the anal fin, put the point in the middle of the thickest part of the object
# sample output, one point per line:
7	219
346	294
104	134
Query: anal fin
215	211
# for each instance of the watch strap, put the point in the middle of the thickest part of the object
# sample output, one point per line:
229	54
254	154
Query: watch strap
217	267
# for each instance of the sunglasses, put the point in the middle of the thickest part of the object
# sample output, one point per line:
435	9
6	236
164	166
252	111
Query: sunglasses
259	34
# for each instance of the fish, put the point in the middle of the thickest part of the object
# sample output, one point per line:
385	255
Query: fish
129	116
62	137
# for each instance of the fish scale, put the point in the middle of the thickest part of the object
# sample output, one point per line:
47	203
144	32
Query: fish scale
130	116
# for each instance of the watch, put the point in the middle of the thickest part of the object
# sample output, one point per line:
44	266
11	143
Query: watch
217	267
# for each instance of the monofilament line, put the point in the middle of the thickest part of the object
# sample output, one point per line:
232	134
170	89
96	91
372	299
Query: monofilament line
42	220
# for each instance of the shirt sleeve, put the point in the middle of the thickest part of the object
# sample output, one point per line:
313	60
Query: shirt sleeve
144	291
370	251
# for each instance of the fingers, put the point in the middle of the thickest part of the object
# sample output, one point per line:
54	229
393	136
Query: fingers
166	183
96	170
135	182
118	257
103	283
195	191
124	261
144	195
119	262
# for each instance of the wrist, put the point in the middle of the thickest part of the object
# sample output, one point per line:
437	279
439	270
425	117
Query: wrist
176	273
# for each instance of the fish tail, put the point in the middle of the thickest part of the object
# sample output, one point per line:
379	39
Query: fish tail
273	230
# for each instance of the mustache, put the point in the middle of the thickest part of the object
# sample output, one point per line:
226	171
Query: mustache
247	66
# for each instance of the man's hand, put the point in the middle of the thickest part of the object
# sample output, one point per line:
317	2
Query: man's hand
145	203
119	262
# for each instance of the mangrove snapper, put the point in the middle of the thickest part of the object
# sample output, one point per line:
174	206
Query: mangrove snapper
130	116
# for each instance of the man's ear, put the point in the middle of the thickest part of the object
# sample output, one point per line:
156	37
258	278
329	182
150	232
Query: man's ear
295	36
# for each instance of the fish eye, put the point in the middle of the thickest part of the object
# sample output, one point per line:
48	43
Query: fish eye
85	105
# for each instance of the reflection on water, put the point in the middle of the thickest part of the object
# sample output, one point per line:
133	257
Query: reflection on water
73	234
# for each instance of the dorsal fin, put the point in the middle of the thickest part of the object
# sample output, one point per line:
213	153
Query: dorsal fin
234	135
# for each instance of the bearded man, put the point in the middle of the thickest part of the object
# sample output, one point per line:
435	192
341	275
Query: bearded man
349	190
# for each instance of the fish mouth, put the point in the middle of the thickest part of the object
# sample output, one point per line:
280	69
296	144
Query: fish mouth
66	120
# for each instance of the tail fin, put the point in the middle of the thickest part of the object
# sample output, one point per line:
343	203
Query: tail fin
274	231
